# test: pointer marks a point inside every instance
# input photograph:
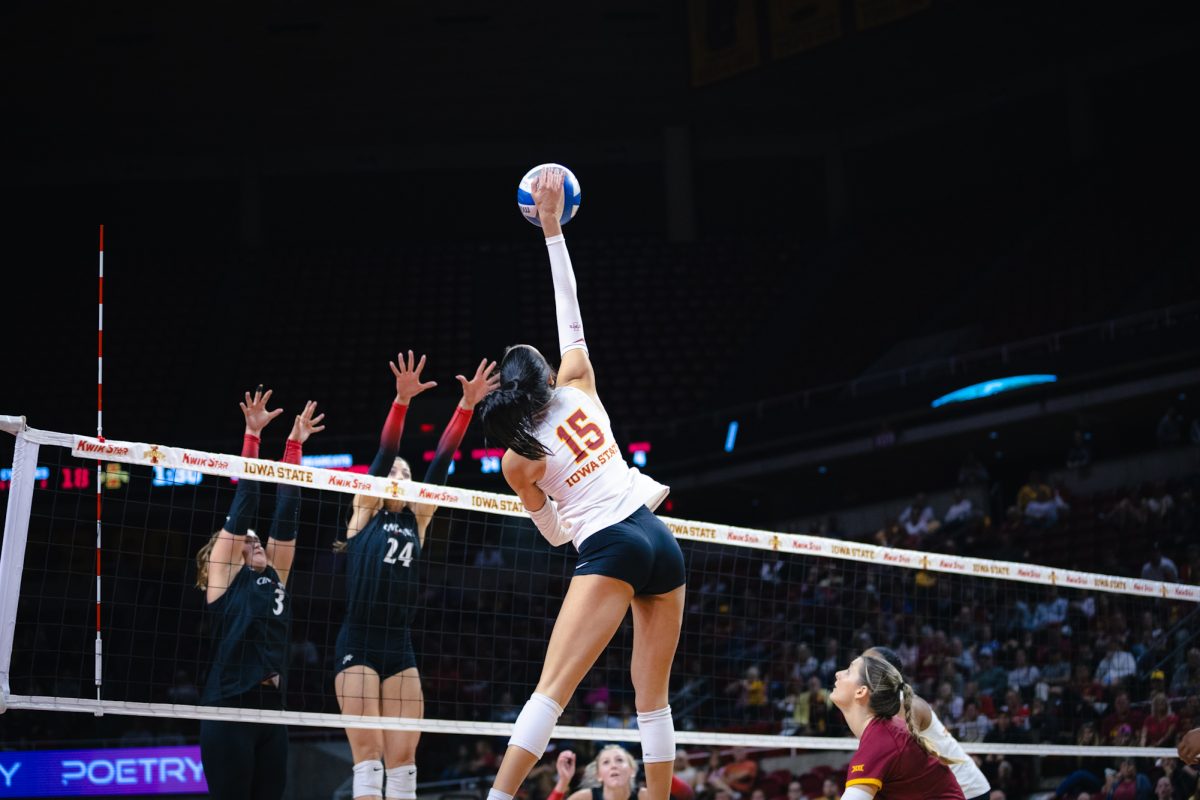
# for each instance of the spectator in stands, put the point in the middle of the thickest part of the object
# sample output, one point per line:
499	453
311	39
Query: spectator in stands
947	704
961	512
751	693
1080	454
1160	725
806	663
974	726
1031	490
1023	676
1170	428
961	656
1158	505
1126	783
1044	508
1123	715
484	762
830	790
1186	678
685	772
1052	610
1117	666
1163	790
998	769
1183	777
809	711
918	519
1017	710
1159	567
1056	674
736	777
829	665
972	472
992	679
601	718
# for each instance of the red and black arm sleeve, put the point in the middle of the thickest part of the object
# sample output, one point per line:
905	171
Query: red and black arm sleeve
389	440
452	436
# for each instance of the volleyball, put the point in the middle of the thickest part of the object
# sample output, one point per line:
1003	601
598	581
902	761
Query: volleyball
571	192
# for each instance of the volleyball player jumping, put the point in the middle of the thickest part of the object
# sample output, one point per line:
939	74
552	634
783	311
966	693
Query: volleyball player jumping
245	586
892	757
565	465
377	668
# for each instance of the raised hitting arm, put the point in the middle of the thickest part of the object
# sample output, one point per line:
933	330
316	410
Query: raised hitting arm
576	368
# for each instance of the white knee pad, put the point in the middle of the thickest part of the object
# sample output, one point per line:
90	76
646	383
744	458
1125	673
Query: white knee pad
535	723
402	782
368	779
657	731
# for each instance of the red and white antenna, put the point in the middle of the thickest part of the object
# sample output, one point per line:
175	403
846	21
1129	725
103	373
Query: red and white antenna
99	464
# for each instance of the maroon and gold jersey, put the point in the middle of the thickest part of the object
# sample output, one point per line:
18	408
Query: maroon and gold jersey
889	758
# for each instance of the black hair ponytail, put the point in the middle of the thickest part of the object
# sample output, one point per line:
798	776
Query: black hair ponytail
507	413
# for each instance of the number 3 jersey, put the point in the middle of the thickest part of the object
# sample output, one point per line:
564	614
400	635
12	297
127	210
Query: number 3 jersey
250	624
585	472
381	573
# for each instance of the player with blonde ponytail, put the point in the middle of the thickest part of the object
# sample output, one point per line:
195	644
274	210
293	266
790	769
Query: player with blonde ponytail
872	694
926	724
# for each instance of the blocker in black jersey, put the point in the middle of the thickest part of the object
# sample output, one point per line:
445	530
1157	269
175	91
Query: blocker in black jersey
382	584
250	625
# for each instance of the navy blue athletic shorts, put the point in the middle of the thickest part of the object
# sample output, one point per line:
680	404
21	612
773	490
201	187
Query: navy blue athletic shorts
388	653
639	550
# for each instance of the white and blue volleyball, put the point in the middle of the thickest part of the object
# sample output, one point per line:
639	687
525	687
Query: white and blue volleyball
571	194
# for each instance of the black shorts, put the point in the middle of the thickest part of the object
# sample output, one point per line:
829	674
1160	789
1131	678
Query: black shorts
639	550
387	652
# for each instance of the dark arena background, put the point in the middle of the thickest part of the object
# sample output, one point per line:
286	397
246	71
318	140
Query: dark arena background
900	297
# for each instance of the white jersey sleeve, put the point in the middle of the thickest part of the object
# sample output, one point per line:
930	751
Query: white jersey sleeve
966	772
585	472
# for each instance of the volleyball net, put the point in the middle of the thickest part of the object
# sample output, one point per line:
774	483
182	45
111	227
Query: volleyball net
104	617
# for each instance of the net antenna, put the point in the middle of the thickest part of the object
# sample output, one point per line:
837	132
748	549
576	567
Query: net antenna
99	674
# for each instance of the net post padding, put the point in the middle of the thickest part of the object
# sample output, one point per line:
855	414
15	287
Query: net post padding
231	466
12	558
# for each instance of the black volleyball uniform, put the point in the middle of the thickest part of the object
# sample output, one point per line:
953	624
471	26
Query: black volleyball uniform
250	625
382	585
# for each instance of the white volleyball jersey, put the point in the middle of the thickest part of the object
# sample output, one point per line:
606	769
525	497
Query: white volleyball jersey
968	775
585	472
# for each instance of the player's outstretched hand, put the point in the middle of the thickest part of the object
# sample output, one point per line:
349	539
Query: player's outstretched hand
307	423
485	381
254	409
408	378
566	767
547	193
